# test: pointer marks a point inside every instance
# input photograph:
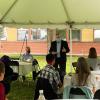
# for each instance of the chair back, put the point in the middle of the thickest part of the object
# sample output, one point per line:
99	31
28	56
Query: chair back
36	67
14	65
35	62
77	92
44	84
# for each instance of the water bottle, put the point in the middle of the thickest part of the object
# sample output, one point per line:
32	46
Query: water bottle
41	96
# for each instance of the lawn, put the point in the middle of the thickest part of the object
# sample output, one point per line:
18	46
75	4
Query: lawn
25	90
22	90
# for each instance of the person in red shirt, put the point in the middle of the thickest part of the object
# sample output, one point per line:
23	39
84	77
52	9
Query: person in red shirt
2	92
2	87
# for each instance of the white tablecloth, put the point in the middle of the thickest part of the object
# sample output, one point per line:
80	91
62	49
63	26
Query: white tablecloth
25	68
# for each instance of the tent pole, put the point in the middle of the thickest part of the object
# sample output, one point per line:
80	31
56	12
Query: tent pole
70	32
48	41
70	24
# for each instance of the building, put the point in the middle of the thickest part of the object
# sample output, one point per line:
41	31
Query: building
13	40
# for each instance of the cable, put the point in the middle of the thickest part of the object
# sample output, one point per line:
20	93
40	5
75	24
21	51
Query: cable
25	41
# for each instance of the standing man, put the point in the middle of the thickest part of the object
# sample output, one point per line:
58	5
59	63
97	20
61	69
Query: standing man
59	48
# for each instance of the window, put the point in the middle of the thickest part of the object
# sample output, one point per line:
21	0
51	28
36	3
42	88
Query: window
39	34
3	33
87	35
75	35
96	35
22	34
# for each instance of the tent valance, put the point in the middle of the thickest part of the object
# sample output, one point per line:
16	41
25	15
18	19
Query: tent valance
50	13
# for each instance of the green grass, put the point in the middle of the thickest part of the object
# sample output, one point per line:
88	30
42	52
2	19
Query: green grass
22	90
25	90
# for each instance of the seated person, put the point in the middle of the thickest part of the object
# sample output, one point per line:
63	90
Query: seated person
83	76
48	80
27	57
9	74
3	94
92	60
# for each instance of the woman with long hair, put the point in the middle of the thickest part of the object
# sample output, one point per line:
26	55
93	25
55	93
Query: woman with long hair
92	53
83	76
92	59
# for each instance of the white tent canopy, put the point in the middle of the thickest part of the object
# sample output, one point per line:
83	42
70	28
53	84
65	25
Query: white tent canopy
50	13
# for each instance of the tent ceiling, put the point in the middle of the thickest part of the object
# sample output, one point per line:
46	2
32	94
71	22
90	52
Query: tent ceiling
49	13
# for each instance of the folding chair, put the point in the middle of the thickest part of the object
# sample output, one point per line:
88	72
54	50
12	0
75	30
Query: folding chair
10	73
14	64
36	69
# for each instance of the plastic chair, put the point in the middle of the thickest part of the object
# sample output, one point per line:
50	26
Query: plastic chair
73	92
77	93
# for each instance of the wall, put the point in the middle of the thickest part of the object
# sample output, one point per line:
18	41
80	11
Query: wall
11	34
41	47
78	48
15	47
82	48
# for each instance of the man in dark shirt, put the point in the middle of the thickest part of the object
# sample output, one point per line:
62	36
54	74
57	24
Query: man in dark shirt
59	48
